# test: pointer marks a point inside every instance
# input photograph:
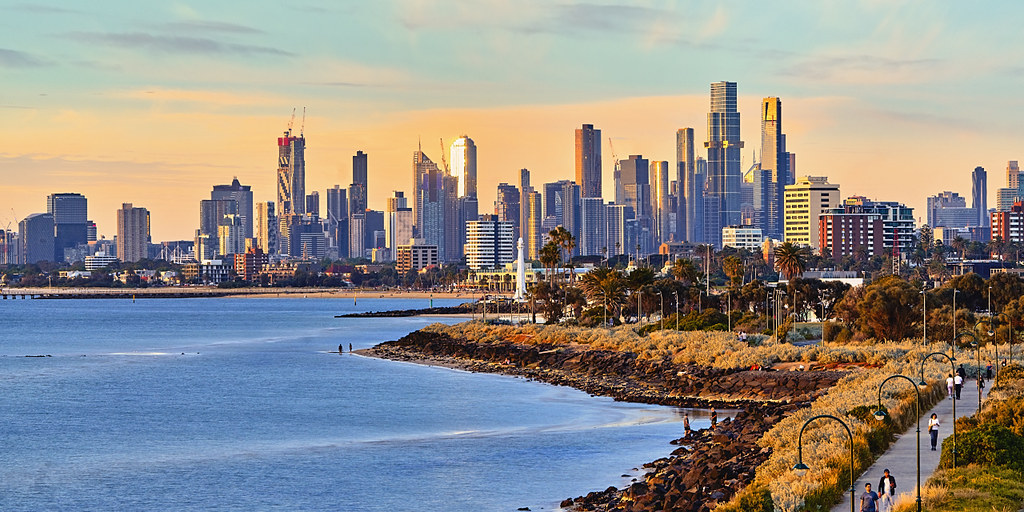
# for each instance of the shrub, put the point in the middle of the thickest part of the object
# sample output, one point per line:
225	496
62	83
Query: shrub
989	444
830	330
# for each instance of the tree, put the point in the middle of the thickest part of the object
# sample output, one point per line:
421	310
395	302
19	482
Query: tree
791	259
686	271
884	312
562	238
605	287
733	268
959	244
550	256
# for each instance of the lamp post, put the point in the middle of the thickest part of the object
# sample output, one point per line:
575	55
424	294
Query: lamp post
639	308
800	467
880	415
991	332
662	295
977	352
676	293
952	369
955	291
728	314
924	314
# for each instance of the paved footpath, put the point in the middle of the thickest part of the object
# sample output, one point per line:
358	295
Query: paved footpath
901	458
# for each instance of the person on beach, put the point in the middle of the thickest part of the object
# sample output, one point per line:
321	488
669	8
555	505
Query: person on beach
887	488
949	386
933	430
714	418
958	384
868	500
350	348
341	349
686	424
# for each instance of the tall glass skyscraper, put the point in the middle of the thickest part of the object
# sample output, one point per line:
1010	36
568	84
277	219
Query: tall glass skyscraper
775	160
291	174
588	160
463	157
70	219
724	175
979	194
688	188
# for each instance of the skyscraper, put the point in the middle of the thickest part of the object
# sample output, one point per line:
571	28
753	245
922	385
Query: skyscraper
506	206
36	236
70	221
132	233
337	219
358	191
689	189
241	194
979	195
265	226
291	173
313	204
489	243
1012	174
524	205
775	159
724	173
422	169
660	204
594	226
463	158
805	202
588	160
431	203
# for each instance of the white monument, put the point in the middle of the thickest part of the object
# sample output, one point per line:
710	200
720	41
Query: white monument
520	273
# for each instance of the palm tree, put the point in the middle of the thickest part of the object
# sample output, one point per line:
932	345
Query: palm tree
685	270
733	268
605	286
550	255
791	259
960	245
566	242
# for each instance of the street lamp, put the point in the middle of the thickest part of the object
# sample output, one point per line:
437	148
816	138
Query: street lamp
952	369
802	468
676	293
955	291
881	414
924	313
660	294
977	352
728	314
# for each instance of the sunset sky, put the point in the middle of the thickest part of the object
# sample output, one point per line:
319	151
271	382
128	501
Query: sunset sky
155	102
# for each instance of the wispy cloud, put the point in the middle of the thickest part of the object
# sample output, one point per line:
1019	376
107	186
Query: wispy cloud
199	26
175	44
44	9
863	69
19	59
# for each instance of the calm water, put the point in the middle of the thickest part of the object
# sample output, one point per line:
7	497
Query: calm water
236	404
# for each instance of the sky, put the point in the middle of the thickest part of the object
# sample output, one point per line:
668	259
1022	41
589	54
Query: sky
153	103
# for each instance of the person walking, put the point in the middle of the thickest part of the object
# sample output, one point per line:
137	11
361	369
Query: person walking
958	385
868	500
887	489
933	430
714	418
949	386
686	424
988	371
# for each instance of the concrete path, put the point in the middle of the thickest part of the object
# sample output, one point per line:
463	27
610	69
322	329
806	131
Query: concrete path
901	458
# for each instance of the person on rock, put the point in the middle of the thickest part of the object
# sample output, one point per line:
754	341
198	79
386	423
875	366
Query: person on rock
714	418
686	424
933	430
887	488
868	500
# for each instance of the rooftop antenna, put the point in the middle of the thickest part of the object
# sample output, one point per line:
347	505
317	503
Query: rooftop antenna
303	127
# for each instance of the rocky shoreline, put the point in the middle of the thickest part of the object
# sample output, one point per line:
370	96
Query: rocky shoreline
462	309
707	469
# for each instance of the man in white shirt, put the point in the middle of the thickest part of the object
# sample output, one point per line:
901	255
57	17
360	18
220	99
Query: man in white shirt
887	490
958	384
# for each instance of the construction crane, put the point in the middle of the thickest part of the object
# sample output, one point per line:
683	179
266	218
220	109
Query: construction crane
303	127
444	161
291	121
615	158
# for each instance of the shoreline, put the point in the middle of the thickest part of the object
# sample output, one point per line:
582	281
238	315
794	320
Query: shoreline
707	469
174	292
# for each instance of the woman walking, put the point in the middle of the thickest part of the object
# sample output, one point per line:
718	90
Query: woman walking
933	430
949	386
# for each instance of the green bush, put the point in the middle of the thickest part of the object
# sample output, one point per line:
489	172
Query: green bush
1009	373
988	445
830	330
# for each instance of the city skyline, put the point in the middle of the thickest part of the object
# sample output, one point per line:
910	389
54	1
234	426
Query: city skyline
873	110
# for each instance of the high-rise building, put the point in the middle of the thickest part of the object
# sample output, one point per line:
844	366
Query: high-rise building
10	247
775	159
291	173
489	243
1009	225
399	227
688	187
70	217
554	200
849	231
375	222
37	240
897	219
337	219
425	177
506	206
524	206
132	233
588	160
805	201
230	236
660	203
436	192
700	180
618	240
240	194
594	225
463	158
572	219
265	226
212	213
1012	174
357	235
533	235
949	210
724	174
313	204
979	195
358	191
742	237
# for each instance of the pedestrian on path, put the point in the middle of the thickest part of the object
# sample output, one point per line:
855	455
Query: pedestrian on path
949	386
868	500
981	384
988	371
887	488
933	430
958	384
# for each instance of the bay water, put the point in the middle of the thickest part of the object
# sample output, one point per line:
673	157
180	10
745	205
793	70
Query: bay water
239	404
